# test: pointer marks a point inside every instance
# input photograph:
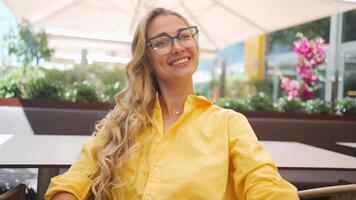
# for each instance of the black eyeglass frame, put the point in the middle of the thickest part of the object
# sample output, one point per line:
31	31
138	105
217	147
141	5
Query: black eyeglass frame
149	44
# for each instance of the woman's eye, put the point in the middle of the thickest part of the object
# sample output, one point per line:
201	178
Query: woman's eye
161	42
185	36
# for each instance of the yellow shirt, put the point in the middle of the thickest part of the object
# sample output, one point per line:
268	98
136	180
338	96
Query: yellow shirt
210	153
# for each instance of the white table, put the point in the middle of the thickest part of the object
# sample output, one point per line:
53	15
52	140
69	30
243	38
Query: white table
299	155
15	120
39	150
49	152
53	150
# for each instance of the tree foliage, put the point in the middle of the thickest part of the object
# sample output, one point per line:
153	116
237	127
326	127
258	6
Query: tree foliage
27	44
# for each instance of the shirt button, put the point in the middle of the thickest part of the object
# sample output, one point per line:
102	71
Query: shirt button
156	170
158	140
148	197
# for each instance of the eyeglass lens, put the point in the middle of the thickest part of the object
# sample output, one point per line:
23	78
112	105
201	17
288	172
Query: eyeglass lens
186	38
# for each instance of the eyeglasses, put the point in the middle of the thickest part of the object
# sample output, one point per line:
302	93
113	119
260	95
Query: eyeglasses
162	44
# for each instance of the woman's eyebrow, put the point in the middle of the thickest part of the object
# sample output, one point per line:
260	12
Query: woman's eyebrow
160	34
165	33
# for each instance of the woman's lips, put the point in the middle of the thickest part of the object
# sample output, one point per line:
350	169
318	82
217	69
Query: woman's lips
180	61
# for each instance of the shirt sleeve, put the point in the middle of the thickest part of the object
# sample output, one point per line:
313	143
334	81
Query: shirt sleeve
77	179
255	175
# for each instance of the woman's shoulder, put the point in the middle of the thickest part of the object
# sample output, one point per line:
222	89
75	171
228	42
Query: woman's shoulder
88	146
90	141
205	102
225	112
215	112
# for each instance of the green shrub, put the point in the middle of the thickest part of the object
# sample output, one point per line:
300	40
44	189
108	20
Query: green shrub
318	106
10	89
13	82
82	92
346	106
109	92
45	89
293	105
224	102
234	104
260	102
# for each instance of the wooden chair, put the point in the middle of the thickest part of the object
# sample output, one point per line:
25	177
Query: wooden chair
16	193
340	192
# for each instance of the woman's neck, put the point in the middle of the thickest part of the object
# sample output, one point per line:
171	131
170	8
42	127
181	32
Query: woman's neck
173	96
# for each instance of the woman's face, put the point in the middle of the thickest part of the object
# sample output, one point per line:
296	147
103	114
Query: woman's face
178	63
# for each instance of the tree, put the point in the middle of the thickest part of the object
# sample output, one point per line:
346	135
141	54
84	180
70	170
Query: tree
28	44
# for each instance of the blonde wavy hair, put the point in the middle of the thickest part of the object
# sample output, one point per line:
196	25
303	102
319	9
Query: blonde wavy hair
131	115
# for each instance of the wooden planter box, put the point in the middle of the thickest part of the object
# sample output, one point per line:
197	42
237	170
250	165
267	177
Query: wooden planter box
323	131
51	117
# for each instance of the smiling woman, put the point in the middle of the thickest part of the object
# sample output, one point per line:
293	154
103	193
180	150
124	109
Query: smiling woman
173	51
162	142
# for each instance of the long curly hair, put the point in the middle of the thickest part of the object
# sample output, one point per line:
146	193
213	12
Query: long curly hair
116	133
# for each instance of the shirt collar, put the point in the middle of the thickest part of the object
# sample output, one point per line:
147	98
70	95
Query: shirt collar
199	100
192	102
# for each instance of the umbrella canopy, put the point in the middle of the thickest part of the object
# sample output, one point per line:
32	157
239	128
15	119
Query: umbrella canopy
107	26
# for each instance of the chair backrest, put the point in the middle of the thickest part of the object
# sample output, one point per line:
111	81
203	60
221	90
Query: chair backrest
340	192
16	193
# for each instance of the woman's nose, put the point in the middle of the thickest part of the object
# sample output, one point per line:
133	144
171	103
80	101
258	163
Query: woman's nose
176	47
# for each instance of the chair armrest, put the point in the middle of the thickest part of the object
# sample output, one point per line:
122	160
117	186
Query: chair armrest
326	191
18	192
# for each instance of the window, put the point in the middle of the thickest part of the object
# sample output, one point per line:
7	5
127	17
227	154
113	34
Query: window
349	26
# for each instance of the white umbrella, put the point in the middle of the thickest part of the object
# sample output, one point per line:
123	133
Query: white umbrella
107	25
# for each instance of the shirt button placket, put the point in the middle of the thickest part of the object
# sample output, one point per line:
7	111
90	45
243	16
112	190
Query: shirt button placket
156	171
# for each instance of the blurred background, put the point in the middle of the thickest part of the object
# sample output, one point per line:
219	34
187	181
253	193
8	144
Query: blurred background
246	46
281	56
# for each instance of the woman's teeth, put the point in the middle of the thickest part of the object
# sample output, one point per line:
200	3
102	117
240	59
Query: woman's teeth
180	61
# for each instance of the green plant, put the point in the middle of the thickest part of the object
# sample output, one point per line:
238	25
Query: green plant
240	86
10	89
260	102
292	105
11	84
264	85
45	89
311	55
318	106
29	46
234	104
346	106
101	75
82	92
109	92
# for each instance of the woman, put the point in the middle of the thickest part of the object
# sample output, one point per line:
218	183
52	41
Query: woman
162	142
